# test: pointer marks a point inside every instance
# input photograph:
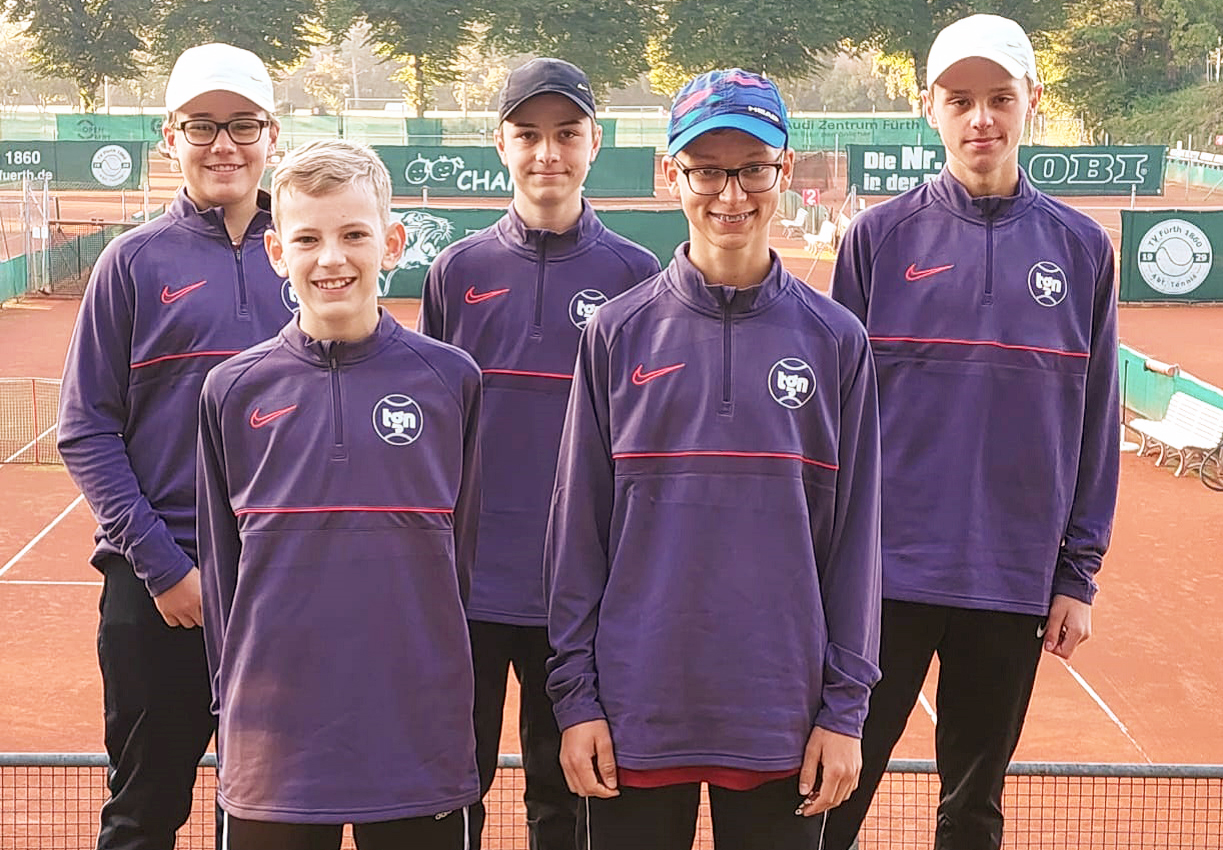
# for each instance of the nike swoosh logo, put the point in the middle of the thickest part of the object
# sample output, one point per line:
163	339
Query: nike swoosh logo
473	297
1040	630
168	297
913	273
258	420
640	377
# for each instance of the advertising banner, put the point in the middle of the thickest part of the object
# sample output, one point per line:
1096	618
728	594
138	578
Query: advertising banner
477	172
108	128
1169	255
75	165
430	229
892	169
814	134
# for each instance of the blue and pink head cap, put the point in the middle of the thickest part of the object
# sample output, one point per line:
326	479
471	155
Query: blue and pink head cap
730	99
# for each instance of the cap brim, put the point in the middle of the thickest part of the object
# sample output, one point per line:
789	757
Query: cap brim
506	112
770	134
1006	62
256	97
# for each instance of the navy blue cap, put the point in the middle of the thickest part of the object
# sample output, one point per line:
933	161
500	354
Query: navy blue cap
545	76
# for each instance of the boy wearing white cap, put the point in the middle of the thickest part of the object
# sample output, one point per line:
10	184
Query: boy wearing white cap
165	303
991	313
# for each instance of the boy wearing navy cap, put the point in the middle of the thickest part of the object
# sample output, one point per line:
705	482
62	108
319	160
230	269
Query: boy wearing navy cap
992	315
712	556
516	296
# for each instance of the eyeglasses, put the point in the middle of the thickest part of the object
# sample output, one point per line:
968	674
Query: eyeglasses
242	131
758	177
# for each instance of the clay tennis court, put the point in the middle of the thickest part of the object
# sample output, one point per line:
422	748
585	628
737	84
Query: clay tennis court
1146	689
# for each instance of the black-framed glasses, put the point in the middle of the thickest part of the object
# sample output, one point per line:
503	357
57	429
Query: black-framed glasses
706	180
242	131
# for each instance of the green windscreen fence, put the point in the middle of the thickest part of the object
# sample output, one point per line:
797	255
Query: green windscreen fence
113	128
477	172
835	133
888	169
430	229
104	165
1168	255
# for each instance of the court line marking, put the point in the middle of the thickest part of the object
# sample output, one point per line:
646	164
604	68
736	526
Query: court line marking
26	583
1108	711
46	530
30	444
1099	701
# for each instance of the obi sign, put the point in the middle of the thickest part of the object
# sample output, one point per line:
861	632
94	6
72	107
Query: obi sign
893	169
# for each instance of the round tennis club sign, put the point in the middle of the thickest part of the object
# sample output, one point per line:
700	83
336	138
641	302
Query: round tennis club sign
1174	257
111	165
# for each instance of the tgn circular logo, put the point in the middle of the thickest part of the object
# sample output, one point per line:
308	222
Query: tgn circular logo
398	420
288	296
1047	283
791	382
583	305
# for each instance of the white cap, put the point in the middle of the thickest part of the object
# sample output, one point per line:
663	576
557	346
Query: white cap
991	37
219	67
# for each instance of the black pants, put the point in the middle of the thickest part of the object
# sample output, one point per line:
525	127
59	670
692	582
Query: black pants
444	832
665	818
987	666
552	810
157	698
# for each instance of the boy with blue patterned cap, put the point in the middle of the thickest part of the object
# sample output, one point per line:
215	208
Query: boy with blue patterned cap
712	558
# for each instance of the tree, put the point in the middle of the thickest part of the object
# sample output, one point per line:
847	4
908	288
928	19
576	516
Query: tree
280	32
1115	54
481	72
605	38
85	41
905	29
426	36
328	82
784	39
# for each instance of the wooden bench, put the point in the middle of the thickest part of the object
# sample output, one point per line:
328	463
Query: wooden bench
1189	430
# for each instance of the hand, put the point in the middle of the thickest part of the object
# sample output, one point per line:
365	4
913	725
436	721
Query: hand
181	604
1068	625
831	764
588	760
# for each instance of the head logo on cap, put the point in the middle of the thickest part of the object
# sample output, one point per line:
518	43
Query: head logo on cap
731	99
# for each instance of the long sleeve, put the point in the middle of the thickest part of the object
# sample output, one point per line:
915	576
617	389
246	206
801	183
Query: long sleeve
93	416
851	273
850	578
576	546
1095	497
217	530
467	506
431	319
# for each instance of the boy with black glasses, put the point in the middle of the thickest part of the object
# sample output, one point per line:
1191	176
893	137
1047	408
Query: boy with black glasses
167	302
713	547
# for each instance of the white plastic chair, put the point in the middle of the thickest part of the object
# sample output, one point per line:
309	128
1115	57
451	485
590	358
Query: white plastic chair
793	227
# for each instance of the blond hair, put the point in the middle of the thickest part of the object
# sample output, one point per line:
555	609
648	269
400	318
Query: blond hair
323	167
